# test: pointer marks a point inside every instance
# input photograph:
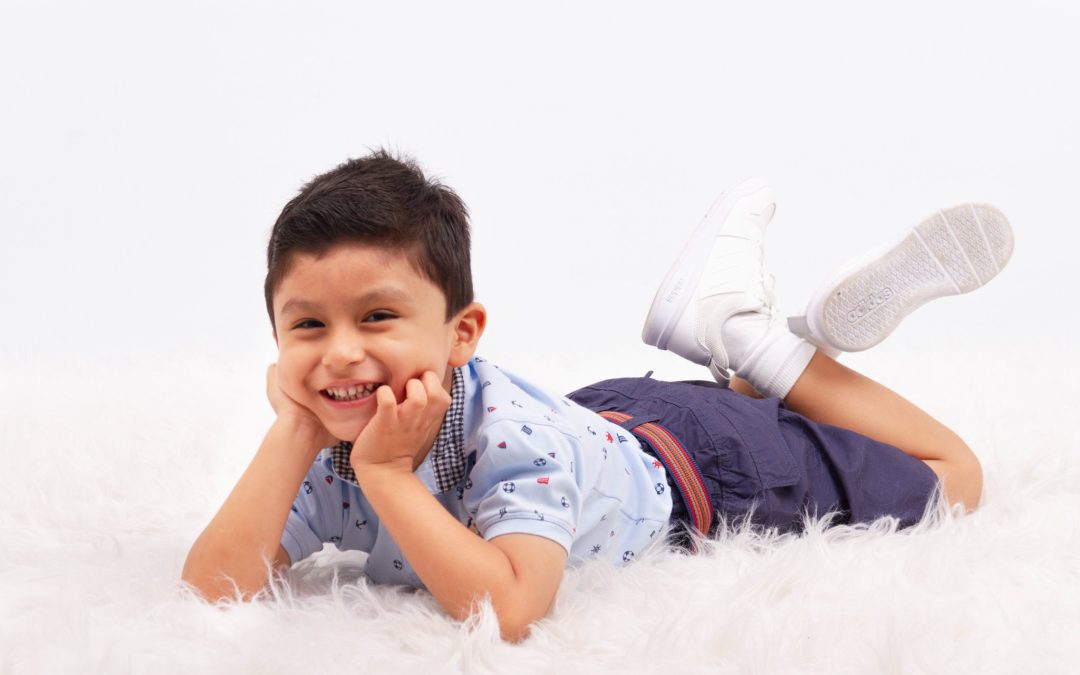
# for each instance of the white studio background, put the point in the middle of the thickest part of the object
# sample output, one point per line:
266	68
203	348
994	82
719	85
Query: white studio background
146	148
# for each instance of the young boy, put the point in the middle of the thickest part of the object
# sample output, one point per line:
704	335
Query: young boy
391	437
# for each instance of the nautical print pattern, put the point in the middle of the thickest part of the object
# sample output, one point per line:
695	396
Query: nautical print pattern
548	467
527	462
681	466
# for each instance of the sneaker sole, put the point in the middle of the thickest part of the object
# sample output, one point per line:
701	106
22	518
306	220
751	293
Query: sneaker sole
676	291
952	252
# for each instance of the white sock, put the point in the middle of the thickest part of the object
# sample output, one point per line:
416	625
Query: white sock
765	353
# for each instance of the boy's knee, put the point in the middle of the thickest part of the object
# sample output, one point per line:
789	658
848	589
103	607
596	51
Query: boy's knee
961	477
964	481
974	476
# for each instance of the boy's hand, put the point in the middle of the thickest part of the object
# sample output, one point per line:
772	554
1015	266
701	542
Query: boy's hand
285	407
398	435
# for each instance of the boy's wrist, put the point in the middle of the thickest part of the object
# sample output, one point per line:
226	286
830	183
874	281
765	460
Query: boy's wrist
310	434
375	471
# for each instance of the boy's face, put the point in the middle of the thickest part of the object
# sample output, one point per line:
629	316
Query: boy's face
356	318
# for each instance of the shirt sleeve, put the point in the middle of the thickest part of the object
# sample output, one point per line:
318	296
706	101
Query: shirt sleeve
315	516
524	482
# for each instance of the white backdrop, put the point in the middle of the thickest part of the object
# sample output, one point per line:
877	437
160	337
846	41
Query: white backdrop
146	149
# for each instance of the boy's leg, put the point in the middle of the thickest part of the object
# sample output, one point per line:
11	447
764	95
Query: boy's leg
715	307
830	393
745	388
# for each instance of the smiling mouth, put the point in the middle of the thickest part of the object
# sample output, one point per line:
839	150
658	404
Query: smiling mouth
344	394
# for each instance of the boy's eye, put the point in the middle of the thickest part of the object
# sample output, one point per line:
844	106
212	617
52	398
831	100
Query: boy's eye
379	316
308	323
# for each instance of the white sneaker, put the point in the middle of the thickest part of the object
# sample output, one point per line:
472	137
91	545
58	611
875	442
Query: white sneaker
953	251
720	272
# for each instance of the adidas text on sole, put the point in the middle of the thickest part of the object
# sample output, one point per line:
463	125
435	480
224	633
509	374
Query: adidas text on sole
954	251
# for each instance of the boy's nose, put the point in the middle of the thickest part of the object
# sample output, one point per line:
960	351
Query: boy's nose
343	352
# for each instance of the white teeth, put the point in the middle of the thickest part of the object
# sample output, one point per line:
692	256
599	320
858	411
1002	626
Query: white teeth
350	393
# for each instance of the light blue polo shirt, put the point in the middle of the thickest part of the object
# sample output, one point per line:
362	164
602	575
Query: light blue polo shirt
534	463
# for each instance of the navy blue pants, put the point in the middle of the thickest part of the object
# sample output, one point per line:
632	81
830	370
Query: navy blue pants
756	452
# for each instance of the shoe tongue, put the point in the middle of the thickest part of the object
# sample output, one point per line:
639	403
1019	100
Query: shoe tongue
746	224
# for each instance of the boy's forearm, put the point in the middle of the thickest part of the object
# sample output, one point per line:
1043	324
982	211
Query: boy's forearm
457	566
247	529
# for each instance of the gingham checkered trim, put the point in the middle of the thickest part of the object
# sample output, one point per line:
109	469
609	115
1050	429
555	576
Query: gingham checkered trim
447	455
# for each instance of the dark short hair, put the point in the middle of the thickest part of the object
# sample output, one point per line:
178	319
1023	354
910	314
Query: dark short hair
384	201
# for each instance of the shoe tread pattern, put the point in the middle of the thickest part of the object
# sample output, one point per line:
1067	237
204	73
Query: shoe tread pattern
954	251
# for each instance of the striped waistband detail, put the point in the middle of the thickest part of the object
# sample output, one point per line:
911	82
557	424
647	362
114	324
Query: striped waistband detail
680	466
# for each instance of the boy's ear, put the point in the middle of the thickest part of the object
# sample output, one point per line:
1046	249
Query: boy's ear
468	327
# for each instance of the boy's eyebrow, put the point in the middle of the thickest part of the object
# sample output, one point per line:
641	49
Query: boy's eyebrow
378	295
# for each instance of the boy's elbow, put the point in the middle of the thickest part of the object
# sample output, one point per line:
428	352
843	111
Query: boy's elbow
208	582
515	633
515	622
517	618
215	577
204	587
216	586
514	626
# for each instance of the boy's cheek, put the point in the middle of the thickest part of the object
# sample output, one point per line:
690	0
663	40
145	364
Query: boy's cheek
292	385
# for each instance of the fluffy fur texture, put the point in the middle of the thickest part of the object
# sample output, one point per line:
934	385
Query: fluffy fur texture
109	478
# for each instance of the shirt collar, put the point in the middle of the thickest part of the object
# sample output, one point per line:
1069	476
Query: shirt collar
447	454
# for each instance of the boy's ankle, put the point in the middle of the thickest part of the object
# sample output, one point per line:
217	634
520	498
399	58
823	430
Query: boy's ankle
765	353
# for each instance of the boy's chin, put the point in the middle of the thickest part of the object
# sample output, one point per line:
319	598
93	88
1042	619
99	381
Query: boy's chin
345	432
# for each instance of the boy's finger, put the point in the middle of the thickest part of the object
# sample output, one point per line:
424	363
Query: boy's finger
415	394
385	401
437	394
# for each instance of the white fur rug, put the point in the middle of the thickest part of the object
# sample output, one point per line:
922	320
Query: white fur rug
108	479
